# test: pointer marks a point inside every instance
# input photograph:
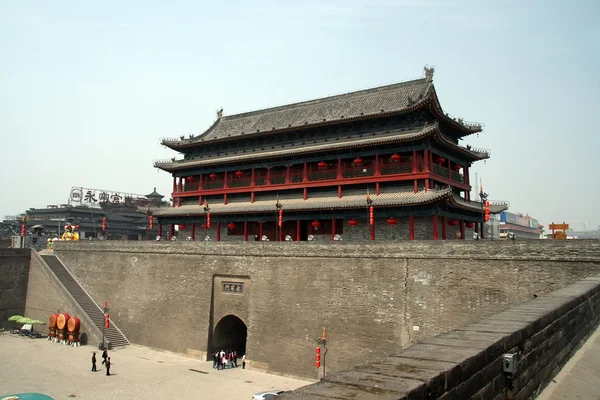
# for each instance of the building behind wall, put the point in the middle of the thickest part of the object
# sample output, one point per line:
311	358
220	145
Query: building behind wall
522	226
378	164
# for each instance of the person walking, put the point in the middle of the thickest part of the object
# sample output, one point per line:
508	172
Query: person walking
94	362
108	366
104	356
244	361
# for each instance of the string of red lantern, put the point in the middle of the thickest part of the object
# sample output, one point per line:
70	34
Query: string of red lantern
322	164
392	221
358	161
396	157
453	222
213	176
239	174
231	226
371	218
353	222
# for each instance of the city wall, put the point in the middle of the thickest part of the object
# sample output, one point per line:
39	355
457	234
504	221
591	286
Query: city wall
541	334
14	273
374	299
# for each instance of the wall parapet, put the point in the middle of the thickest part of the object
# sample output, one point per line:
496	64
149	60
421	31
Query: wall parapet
526	250
467	362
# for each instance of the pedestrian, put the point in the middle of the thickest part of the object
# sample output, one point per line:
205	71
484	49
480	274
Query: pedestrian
244	361
235	357
104	356
108	366
216	360
94	362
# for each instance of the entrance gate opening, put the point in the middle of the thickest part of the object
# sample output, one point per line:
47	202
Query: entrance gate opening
230	334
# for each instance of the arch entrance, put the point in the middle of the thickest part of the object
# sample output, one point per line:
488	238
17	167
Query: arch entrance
230	334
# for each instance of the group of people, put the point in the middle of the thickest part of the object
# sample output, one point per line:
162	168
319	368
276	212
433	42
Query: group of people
105	361
227	359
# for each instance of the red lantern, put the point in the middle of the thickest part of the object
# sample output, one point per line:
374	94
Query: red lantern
106	321
316	224
105	305
280	220
203	226
440	160
231	226
103	224
353	222
239	174
190	179
396	157
453	222
322	164
456	167
371	217
469	224
487	217
182	227
207	220
392	221
213	176
151	221
318	357
23	230
358	161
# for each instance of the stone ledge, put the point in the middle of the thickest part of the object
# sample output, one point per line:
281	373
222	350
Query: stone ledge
467	363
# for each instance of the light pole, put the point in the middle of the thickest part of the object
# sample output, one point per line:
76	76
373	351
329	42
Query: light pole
483	196
278	205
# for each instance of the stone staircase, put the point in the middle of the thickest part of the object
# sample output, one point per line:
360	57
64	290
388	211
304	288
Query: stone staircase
94	312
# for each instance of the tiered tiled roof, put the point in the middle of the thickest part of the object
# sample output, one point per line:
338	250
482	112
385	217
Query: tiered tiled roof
376	102
350	200
357	141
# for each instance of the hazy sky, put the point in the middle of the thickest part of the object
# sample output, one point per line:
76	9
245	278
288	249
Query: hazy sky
87	89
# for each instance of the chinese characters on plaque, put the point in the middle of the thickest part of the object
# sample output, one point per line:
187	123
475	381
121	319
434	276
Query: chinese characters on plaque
230	287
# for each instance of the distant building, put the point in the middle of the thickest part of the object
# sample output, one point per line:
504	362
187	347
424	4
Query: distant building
120	212
523	226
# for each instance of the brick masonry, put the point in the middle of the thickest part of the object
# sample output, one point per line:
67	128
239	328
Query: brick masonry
14	275
467	363
374	299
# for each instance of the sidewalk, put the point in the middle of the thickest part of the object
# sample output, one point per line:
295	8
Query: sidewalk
580	377
37	365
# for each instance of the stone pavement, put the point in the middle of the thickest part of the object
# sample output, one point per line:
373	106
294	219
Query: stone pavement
580	377
37	365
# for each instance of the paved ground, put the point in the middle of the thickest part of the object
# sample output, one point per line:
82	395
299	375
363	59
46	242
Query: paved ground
580	377
36	365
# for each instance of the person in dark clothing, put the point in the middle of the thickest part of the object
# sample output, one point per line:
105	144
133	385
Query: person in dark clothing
104	356
94	362
108	366
235	357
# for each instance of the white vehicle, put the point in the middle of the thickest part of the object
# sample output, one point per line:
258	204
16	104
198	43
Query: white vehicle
269	394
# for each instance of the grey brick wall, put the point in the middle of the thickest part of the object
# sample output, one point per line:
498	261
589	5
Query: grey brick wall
14	275
467	363
373	298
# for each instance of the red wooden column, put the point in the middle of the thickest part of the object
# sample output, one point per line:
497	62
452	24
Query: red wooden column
444	228
462	229
305	179
332	228
414	166
160	230
225	181
297	230
435	227
171	231
411	227
245	231
260	231
218	231
339	177
193	231
268	176
287	175
416	189
426	157
225	199
200	182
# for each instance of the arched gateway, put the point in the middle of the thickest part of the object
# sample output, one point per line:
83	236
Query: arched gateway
230	333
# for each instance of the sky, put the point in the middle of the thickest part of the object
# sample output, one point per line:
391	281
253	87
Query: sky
87	89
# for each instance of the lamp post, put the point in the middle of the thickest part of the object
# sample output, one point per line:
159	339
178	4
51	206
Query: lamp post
323	340
278	205
370	216
206	218
483	196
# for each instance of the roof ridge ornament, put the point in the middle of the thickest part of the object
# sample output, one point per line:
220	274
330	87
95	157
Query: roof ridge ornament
428	71
220	113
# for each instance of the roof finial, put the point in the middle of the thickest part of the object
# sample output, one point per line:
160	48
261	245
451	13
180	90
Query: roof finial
429	72
220	113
